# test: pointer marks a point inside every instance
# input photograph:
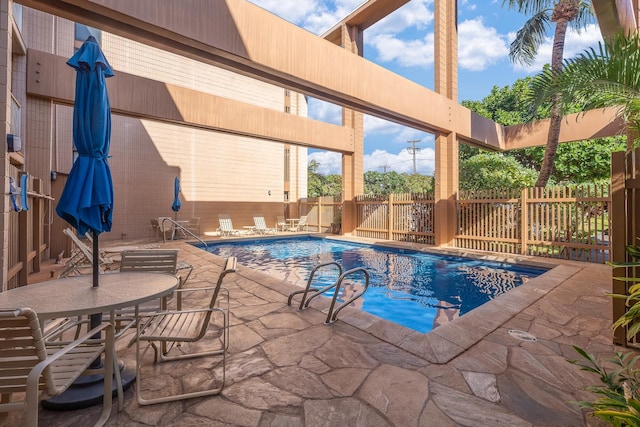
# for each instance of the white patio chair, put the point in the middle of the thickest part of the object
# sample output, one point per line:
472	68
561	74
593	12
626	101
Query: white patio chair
261	225
226	226
166	330
145	261
194	226
281	223
35	370
167	228
82	257
302	224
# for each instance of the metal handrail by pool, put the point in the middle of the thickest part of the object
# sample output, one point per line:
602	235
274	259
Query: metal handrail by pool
304	303
181	227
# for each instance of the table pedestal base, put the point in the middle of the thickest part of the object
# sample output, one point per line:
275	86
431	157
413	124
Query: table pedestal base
87	392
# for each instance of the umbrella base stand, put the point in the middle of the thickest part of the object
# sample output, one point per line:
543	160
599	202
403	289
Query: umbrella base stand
87	391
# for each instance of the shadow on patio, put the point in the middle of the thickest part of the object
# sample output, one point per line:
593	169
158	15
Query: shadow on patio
286	367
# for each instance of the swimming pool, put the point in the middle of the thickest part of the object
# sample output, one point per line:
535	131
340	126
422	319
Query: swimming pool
417	290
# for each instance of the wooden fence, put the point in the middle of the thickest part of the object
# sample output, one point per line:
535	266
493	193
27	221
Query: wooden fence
403	217
560	222
321	213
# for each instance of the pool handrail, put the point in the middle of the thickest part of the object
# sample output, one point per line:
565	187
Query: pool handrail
182	228
304	303
333	315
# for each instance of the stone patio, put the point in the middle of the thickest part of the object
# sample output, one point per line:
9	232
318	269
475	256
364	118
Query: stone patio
287	368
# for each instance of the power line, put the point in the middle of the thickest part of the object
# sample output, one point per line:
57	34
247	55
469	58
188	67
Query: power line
413	150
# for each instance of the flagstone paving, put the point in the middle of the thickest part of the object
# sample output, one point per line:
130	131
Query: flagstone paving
287	368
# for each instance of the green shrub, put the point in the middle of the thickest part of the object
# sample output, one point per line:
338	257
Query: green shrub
618	399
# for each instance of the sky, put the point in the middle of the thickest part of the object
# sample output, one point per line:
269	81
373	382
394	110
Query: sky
403	43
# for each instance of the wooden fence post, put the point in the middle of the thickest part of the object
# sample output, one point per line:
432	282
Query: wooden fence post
390	216
618	237
524	221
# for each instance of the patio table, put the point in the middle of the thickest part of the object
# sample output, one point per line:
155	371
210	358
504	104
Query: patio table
75	296
293	223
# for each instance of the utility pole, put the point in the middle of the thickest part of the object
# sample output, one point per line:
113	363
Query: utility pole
413	150
385	168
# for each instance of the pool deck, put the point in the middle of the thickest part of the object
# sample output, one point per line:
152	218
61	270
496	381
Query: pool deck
287	368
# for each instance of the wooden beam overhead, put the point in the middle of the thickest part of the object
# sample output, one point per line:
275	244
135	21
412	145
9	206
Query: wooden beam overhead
239	36
363	17
49	76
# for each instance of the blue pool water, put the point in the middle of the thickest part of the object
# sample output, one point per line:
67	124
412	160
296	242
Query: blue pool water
417	290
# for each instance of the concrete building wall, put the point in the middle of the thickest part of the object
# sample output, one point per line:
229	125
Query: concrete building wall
219	172
146	61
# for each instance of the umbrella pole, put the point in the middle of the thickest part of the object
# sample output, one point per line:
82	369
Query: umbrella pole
96	319
96	259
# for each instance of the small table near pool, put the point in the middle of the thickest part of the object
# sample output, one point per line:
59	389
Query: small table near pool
75	296
293	223
250	229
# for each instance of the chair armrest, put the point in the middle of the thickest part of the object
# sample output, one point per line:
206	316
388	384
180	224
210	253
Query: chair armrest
36	371
54	330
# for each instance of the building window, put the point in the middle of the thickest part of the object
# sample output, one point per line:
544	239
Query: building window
287	163
16	115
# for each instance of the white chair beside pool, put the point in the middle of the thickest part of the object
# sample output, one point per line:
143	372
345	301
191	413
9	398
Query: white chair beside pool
261	225
226	226
281	223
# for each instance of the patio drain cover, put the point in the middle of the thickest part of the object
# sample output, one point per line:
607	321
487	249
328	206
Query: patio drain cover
522	335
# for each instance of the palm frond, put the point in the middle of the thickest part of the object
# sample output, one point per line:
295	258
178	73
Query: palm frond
529	7
529	38
606	76
585	16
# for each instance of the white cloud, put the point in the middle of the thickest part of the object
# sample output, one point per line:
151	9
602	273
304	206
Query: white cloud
379	160
464	4
325	111
294	12
375	125
479	46
415	14
314	15
407	53
386	37
575	43
330	162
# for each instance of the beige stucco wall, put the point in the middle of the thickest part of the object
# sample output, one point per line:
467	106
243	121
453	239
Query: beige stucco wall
219	172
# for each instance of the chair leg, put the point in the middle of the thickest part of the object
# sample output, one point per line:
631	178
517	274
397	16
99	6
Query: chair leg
188	395
109	362
116	372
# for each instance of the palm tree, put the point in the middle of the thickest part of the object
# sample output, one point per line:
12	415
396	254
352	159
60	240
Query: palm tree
608	76
564	13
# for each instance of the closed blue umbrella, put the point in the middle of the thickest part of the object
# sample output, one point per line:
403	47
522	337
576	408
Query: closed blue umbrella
176	197
87	199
